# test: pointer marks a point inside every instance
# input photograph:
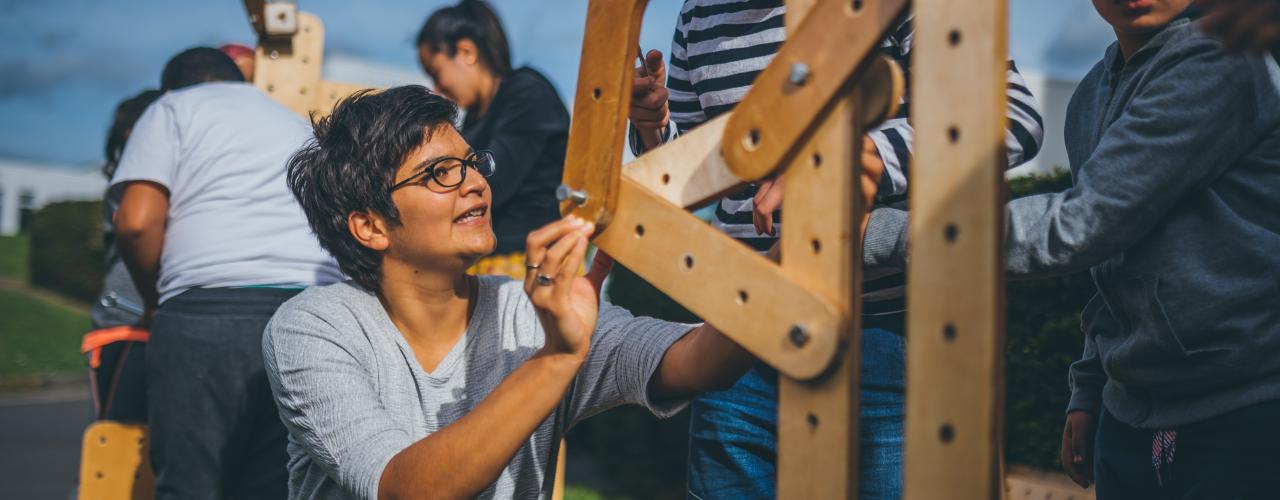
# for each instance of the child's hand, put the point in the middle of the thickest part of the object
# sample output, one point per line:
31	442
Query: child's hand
567	304
769	195
649	112
1077	447
1243	24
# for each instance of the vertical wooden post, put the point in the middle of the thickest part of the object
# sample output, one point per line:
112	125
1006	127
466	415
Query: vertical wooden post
821	249
596	135
956	283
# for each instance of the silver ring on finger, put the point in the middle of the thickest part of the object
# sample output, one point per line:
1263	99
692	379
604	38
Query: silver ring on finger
532	267
543	279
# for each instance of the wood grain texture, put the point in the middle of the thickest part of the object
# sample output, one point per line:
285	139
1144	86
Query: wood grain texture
776	115
114	462
597	133
724	282
821	250
288	69
688	171
956	283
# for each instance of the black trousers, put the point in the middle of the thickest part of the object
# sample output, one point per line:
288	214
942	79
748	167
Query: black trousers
119	382
215	432
1235	456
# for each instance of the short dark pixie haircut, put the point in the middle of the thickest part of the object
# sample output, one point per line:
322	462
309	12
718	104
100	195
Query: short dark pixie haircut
474	20
199	65
351	164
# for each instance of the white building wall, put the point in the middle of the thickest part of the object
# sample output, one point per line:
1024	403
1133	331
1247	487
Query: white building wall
31	185
1053	95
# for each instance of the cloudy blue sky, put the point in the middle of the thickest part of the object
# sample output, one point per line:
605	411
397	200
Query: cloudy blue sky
65	63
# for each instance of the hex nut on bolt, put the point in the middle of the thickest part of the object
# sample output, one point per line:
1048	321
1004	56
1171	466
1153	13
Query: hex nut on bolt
799	73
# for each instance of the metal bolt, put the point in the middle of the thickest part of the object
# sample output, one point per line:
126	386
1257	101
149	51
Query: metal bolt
798	335
564	192
799	73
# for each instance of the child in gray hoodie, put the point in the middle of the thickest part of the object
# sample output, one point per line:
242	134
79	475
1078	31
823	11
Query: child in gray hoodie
1175	155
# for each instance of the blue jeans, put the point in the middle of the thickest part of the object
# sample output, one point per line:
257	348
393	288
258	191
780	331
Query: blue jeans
733	434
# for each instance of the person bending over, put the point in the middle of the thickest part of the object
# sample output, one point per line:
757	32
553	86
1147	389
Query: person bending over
416	378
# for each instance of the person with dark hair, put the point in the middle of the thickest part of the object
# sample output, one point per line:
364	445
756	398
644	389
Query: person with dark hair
418	378
516	114
116	347
215	243
198	65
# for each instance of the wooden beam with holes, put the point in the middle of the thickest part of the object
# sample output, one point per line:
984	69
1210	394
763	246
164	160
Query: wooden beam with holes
828	48
594	154
954	421
287	66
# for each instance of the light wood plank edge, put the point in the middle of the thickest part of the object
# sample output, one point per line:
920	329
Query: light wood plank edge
597	133
691	172
722	281
954	422
688	171
114	461
1025	483
292	76
833	41
330	93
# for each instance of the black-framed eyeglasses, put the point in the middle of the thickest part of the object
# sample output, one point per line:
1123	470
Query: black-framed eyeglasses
450	172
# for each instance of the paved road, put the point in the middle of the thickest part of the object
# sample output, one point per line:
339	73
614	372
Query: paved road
40	442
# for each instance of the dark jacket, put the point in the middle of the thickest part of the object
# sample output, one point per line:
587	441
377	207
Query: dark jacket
1175	157
527	128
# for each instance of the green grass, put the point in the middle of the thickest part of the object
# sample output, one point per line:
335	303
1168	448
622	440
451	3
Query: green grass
37	337
13	257
575	492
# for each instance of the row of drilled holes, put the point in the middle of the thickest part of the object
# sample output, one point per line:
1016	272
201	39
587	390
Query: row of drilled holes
687	265
946	431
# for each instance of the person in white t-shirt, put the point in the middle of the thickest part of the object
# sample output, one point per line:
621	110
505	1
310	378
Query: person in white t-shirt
215	242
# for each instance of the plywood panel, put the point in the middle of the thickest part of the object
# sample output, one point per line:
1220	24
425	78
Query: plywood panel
831	45
721	280
288	70
596	136
955	283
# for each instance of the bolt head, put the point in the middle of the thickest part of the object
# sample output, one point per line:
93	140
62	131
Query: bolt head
798	336
799	73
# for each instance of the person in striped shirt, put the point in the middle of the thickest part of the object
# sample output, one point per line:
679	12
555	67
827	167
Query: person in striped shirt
718	49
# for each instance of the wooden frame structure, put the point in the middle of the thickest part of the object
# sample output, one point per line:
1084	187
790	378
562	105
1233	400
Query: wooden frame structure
804	116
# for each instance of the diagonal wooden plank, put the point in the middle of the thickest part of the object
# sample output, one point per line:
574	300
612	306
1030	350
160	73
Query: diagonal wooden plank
821	55
726	283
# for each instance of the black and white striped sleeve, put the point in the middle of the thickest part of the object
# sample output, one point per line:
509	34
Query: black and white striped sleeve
681	98
894	139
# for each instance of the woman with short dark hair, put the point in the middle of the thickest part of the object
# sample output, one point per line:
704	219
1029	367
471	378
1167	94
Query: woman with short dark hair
419	379
515	113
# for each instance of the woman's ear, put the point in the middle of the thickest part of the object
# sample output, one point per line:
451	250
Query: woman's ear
467	52
369	229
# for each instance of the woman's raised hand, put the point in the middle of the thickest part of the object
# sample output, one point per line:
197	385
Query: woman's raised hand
566	302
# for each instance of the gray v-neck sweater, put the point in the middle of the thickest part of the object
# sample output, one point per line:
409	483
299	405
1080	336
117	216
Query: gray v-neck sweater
352	394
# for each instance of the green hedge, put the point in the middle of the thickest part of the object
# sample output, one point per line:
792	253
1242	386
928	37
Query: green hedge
1043	339
67	249
630	453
